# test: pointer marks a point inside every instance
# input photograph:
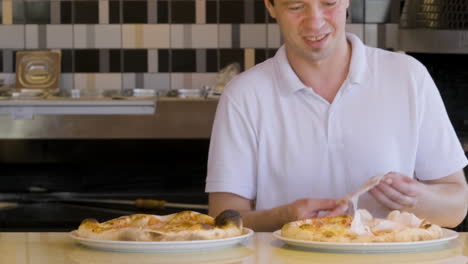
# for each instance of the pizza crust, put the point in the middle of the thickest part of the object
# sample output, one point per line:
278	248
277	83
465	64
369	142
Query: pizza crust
338	229
182	226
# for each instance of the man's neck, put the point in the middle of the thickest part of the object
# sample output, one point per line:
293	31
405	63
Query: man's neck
326	76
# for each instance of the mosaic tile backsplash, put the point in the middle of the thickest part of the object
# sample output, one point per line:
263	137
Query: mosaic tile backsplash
154	44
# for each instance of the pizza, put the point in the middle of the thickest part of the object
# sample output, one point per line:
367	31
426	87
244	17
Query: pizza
182	226
363	228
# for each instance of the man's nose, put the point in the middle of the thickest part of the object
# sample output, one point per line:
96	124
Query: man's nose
314	17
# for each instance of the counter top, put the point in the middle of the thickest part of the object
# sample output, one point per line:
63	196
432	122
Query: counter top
263	248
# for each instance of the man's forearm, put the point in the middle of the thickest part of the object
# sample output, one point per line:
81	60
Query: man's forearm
443	204
266	220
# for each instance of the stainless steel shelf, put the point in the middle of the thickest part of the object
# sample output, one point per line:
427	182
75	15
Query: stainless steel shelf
27	109
433	41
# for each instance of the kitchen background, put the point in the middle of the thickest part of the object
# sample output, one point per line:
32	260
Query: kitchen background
112	45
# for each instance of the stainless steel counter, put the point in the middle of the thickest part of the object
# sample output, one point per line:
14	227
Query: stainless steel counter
174	118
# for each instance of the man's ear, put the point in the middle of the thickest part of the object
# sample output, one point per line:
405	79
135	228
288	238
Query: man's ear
271	9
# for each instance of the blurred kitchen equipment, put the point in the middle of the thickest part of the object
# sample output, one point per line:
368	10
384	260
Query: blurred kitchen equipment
224	76
187	93
139	203
38	70
370	11
435	14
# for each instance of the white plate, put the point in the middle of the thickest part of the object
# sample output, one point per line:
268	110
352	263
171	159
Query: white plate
163	246
388	247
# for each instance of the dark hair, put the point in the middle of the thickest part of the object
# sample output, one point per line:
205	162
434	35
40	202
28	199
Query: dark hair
272	2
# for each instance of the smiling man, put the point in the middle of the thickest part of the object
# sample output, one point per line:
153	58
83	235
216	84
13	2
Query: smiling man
326	113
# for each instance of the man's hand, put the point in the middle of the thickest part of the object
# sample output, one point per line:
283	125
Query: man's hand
310	208
397	191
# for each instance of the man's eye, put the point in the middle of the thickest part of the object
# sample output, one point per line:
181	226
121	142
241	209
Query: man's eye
295	7
332	3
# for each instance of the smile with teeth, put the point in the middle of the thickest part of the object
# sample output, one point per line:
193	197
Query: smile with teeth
316	38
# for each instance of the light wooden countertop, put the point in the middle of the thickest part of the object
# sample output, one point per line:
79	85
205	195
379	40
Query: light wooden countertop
263	248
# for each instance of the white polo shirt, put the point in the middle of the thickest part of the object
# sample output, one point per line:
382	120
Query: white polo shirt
275	140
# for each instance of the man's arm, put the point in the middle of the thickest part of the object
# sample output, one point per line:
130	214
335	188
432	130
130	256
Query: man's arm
272	219
443	201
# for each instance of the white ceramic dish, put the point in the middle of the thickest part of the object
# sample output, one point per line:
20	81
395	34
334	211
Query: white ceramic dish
390	247
163	246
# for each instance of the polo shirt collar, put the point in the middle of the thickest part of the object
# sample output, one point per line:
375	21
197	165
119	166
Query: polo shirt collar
289	82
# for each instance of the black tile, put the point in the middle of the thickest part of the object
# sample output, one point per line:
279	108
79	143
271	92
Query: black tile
270	53
86	12
184	60
163	12
18	12
67	61
231	11
87	60
65	12
212	60
37	12
114	12
183	12
228	56
1	60
135	60
260	12
211	11
135	11
260	55
114	60
163	60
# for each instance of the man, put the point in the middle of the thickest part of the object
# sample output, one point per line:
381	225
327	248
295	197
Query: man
303	129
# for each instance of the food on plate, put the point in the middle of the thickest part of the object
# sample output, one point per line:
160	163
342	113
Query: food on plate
397	227
182	226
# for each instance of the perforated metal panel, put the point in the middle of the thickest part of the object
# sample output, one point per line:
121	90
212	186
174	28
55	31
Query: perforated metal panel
436	14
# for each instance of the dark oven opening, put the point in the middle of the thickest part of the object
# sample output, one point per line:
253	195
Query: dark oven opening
52	185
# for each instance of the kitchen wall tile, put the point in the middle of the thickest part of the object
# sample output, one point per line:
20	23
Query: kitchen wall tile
32	36
204	36
253	35
260	55
182	11
249	11
15	39
55	12
97	84
104	58
83	36
231	11
66	12
156	36
115	60
103	11
67	60
86	60
163	11
157	81
164	63
7	12
181	36
37	12
9	79
107	36
199	80
59	36
86	12
180	81
129	81
225	35
152	60
183	60
135	60
235	36
1	63
9	62
135	11
200	59
18	12
114	12
274	36
228	56
152	11
109	81
200	11
260	12
212	60
249	58
66	82
211	11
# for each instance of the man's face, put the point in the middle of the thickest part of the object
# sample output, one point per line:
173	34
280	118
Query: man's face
312	29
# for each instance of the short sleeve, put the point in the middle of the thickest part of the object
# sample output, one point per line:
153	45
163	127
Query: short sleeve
232	162
439	151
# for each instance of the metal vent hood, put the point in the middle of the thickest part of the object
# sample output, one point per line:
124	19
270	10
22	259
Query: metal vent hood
434	26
